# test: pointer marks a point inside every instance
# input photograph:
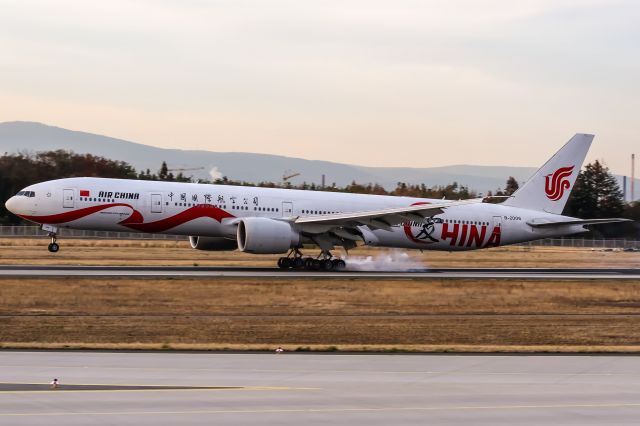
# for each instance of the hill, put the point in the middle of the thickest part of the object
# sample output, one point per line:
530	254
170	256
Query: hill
32	137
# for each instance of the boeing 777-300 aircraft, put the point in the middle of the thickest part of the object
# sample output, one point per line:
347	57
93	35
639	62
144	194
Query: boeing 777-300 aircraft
273	220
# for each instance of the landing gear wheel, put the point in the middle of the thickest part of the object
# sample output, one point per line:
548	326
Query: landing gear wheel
53	246
326	264
315	264
308	263
284	263
339	265
297	263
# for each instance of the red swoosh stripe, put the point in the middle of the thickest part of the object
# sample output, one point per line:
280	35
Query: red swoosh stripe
136	220
73	214
180	218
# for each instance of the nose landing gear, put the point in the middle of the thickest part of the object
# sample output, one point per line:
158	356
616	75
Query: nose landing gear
53	246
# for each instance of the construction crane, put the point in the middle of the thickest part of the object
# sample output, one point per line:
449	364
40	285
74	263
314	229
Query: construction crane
289	174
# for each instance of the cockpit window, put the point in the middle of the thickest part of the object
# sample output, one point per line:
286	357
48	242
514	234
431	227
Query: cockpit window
29	194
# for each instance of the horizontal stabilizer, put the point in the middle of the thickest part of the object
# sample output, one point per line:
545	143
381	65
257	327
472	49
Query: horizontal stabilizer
546	224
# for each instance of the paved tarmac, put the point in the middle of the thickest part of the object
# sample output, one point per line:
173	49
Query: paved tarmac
210	272
310	389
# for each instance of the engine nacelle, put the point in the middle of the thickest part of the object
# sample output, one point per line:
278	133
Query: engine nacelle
212	243
262	235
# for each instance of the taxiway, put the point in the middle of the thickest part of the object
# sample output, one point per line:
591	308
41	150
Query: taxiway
292	389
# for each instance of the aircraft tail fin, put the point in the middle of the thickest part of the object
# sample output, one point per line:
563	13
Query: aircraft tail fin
549	188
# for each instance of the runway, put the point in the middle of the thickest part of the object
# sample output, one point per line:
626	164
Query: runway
213	272
293	389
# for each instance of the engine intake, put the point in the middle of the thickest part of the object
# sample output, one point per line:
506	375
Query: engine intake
212	243
262	235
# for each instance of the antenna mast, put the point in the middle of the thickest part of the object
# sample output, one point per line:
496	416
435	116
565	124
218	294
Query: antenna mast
633	177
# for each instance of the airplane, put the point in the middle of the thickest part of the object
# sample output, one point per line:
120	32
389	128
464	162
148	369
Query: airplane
282	221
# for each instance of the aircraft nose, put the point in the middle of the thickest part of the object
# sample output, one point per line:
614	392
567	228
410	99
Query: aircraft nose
12	205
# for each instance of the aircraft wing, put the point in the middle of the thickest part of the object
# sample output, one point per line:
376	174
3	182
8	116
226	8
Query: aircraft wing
576	222
381	219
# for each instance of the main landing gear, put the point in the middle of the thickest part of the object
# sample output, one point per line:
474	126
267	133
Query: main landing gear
324	262
53	246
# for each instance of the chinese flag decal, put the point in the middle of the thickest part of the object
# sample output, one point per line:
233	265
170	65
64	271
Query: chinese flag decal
84	193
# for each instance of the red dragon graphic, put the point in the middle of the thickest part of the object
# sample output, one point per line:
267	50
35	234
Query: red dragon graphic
557	183
427	235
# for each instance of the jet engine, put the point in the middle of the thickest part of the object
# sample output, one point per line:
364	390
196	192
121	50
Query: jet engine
262	235
212	243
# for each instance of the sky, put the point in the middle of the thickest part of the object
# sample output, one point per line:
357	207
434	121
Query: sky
416	83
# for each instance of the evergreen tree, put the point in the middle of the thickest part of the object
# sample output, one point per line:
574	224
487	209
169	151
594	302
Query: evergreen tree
596	194
163	173
511	186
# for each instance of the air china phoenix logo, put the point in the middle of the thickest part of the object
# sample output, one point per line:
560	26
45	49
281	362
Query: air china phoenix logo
557	182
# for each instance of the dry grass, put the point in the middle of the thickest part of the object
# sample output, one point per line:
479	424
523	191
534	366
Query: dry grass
249	314
149	252
437	315
290	297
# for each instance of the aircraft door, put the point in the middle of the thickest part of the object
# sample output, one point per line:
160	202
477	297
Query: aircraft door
68	198
497	221
287	209
156	203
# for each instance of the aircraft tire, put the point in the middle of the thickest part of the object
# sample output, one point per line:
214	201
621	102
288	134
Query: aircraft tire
339	264
326	265
53	247
297	263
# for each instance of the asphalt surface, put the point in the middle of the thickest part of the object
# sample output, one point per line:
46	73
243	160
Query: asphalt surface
186	272
294	389
43	387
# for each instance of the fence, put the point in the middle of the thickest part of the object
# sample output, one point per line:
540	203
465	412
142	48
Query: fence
619	243
35	231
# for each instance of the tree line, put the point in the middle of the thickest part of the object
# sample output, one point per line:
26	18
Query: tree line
596	193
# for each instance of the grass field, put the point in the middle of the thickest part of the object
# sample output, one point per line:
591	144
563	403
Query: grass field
150	252
243	313
348	314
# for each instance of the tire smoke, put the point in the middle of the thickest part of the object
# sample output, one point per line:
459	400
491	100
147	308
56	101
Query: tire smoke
394	260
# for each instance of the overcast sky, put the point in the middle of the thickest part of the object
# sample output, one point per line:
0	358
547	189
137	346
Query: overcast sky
386	83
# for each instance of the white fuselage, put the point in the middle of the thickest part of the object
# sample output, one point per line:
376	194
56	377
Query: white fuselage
210	210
